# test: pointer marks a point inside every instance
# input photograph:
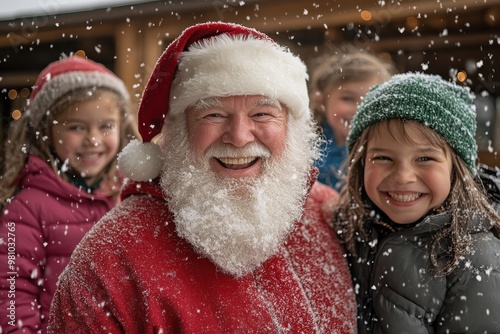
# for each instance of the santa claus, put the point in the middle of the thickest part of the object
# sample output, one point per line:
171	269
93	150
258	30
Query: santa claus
220	228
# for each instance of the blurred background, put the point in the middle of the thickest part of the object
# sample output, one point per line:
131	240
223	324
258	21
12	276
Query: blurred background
457	39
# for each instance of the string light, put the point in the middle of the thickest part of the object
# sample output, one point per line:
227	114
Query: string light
366	15
411	22
12	94
16	114
25	92
80	53
461	76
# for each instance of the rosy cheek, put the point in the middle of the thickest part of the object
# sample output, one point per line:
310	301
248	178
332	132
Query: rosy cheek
198	147
277	143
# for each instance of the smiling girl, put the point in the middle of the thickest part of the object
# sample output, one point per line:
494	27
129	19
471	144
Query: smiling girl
60	179
421	235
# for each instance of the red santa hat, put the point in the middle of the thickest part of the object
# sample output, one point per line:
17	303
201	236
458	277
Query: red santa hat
66	75
212	59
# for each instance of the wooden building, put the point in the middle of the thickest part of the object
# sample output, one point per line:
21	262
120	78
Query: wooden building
453	38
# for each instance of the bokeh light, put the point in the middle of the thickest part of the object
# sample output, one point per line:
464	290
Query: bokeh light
366	15
461	76
16	114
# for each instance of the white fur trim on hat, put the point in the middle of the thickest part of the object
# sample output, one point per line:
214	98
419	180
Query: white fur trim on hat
140	161
64	83
240	65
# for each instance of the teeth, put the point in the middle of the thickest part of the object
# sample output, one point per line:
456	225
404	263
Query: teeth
89	156
404	197
237	161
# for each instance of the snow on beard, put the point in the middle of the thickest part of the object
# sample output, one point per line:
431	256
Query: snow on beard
237	223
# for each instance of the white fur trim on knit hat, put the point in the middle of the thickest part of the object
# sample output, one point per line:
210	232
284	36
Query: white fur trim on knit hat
65	83
240	65
67	75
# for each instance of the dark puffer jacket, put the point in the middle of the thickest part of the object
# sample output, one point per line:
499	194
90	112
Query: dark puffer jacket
398	293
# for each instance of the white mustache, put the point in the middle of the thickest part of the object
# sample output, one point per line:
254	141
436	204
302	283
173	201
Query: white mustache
228	151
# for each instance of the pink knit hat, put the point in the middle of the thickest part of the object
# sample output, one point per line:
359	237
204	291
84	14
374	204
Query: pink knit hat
213	59
66	75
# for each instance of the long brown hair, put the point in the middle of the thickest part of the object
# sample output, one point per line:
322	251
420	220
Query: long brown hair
466	198
26	137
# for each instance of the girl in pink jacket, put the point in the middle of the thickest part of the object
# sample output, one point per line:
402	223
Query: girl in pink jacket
60	178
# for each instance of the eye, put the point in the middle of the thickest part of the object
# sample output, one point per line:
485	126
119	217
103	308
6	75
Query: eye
210	114
262	114
76	127
425	159
108	126
381	158
349	99
213	115
266	112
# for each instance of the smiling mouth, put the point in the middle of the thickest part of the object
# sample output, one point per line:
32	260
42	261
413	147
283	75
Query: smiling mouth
404	197
237	163
89	156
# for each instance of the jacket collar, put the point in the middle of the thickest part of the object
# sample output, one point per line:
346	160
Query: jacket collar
435	221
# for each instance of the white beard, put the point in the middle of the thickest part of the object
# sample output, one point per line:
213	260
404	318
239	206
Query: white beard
237	223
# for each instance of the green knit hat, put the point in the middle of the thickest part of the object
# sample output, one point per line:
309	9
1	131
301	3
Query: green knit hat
444	107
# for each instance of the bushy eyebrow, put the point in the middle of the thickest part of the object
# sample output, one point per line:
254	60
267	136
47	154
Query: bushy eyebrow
424	150
215	102
269	102
208	103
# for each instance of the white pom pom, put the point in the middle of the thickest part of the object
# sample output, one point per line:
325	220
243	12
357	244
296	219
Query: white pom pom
140	161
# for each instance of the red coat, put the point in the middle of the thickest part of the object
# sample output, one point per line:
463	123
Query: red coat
40	228
134	274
